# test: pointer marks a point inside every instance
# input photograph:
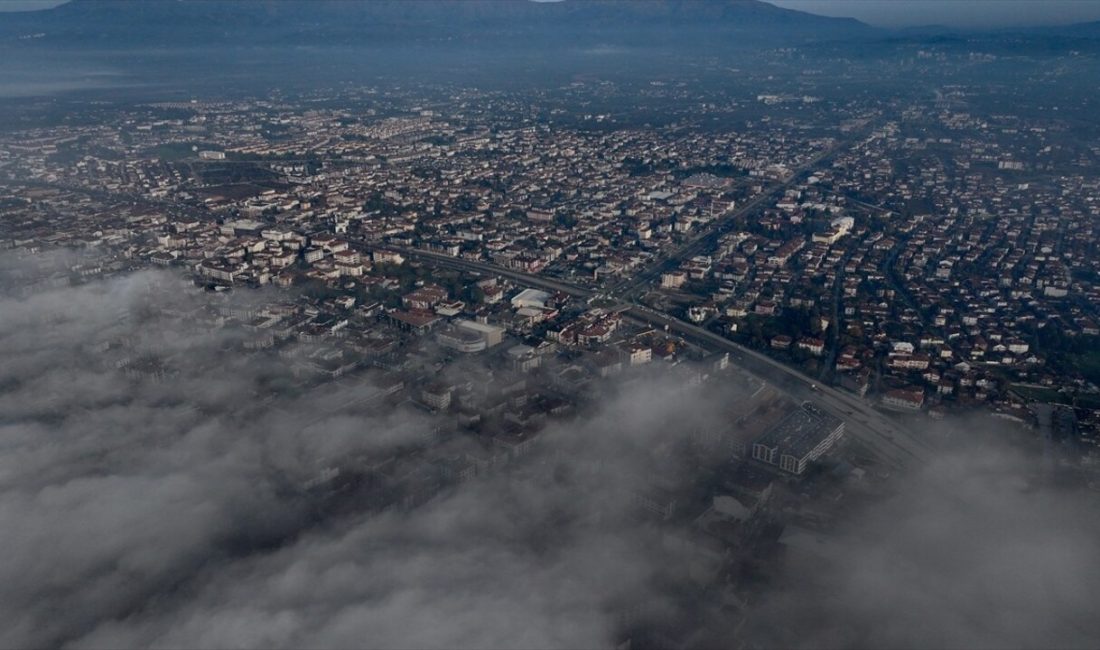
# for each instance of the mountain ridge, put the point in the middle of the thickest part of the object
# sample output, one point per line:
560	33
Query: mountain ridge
169	22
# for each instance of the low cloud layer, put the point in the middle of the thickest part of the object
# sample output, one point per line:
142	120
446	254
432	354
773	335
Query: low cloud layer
151	495
980	549
164	508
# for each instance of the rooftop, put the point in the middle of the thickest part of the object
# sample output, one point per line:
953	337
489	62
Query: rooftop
800	432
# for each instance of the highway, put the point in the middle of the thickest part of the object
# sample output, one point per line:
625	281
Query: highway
881	435
463	264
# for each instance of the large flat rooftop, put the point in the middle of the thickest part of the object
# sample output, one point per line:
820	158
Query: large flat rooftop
801	431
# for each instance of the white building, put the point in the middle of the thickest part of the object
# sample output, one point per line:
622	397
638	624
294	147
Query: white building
532	298
469	336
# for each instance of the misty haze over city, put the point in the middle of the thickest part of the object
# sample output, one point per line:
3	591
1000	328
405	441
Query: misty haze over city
576	324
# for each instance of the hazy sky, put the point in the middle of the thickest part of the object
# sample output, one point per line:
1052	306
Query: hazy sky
962	13
27	5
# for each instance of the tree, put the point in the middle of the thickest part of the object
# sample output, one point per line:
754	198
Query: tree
566	220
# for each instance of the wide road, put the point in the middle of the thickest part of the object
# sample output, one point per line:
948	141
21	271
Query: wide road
463	264
880	434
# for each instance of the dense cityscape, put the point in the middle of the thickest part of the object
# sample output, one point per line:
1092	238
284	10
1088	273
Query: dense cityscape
737	304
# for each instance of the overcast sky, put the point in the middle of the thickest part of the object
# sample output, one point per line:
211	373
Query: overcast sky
960	13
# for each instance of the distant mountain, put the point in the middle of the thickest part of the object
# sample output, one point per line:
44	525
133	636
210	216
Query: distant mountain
1089	30
166	23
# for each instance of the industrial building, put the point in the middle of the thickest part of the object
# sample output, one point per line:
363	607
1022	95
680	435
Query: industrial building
799	438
